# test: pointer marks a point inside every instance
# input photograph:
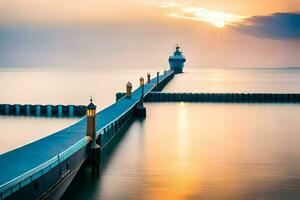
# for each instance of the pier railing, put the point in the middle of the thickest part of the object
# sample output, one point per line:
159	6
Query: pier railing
26	178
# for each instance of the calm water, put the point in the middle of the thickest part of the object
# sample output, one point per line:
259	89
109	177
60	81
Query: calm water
203	151
55	86
180	151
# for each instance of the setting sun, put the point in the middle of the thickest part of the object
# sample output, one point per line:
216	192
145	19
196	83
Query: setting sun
217	18
218	23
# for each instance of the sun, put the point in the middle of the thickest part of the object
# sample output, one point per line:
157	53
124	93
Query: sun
218	19
218	23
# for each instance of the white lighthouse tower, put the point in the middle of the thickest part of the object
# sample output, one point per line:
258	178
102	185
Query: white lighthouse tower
177	60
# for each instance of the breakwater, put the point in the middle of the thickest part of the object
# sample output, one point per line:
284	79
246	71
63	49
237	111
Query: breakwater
220	97
43	110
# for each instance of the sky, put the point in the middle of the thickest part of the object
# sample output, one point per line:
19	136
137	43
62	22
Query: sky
143	33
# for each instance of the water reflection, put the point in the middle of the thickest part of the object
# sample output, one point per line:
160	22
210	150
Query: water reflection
216	151
21	130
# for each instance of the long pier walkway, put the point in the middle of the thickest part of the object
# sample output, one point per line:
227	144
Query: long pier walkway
23	165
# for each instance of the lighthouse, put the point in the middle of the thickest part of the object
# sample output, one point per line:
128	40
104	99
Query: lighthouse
177	60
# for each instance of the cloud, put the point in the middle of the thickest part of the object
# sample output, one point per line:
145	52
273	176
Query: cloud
216	18
206	15
281	26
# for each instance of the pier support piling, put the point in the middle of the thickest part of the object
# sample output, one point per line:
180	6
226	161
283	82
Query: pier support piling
71	111
6	109
38	110
49	110
17	107
60	111
27	107
94	154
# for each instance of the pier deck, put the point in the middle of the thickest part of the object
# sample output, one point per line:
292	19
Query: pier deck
25	164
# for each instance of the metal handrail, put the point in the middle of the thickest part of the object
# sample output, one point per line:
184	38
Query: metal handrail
26	175
60	157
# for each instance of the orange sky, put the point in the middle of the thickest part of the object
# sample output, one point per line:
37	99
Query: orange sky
57	11
95	10
124	31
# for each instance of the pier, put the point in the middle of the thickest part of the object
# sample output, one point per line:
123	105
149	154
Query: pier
29	171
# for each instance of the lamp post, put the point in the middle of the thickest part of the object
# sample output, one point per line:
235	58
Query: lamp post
140	109
91	122
128	89
94	151
142	85
157	80
148	78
